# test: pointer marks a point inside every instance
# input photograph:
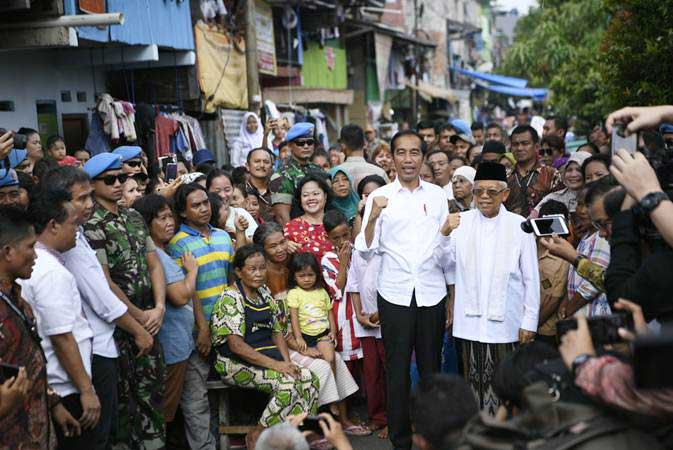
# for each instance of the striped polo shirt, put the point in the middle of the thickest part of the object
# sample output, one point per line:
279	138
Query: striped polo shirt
214	254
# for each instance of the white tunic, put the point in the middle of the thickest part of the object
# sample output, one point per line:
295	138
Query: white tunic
493	323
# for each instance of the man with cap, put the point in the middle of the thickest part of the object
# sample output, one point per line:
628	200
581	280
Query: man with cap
297	166
462	143
666	131
492	151
128	256
352	141
10	191
371	141
494	264
203	156
131	159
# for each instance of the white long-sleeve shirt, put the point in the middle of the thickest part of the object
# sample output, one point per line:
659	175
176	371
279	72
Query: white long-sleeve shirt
523	287
406	235
101	306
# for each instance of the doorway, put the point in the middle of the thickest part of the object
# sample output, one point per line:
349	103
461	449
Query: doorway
75	131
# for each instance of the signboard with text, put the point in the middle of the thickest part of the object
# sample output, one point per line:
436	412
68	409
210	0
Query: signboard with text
266	47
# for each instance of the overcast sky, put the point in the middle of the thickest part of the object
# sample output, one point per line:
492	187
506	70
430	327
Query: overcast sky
521	5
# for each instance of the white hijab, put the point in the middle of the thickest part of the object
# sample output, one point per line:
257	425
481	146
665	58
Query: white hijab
251	140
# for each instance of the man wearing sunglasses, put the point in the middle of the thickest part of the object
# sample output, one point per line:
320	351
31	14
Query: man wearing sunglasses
131	159
497	283
128	256
297	166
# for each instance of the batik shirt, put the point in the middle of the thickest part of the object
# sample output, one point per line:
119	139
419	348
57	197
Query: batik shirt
28	426
121	242
284	182
228	316
527	191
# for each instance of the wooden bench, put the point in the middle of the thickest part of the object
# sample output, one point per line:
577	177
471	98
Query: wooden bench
220	392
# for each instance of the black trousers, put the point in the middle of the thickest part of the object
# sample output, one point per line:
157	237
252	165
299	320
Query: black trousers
405	329
104	377
87	439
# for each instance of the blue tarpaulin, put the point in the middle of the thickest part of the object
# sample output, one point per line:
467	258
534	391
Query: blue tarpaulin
534	93
494	78
167	24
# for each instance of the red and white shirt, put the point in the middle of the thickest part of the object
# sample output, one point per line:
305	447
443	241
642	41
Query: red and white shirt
348	345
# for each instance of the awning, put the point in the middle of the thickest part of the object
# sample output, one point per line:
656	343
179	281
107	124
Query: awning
429	91
538	94
494	78
299	95
365	27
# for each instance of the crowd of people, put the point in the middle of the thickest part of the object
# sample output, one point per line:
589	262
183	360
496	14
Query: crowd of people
400	272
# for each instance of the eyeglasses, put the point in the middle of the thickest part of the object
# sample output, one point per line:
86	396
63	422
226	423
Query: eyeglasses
492	193
304	142
133	163
111	179
601	224
546	151
142	177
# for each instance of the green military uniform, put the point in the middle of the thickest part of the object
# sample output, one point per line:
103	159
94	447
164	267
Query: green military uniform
121	242
284	182
288	395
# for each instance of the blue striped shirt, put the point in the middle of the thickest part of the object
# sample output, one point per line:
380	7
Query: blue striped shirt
214	254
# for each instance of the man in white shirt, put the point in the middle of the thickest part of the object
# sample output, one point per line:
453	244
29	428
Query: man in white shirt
66	336
401	223
102	308
497	282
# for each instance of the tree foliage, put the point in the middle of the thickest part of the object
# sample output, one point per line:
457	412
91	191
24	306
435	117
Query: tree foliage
557	46
636	56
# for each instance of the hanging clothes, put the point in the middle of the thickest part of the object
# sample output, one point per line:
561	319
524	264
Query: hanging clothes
165	128
97	141
108	116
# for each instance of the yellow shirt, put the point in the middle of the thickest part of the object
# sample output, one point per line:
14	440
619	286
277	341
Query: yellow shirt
313	307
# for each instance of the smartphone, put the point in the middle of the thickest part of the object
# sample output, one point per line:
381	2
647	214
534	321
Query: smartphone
651	355
621	141
603	329
548	225
311	423
8	371
171	172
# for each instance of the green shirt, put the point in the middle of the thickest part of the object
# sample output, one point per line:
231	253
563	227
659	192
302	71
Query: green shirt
284	182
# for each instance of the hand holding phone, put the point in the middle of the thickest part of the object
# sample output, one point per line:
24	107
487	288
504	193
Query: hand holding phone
171	172
620	141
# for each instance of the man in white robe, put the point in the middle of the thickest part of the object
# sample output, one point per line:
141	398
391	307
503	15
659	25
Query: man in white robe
497	282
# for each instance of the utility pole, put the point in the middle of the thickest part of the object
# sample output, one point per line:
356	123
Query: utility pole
414	92
251	55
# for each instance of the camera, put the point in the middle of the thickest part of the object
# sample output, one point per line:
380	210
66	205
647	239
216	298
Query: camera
546	225
603	329
20	140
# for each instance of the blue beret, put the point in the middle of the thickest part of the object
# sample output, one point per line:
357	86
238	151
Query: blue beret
203	156
666	128
16	157
300	130
128	152
461	126
102	163
8	178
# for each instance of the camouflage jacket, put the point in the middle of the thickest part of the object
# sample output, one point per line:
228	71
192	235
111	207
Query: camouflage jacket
284	182
121	242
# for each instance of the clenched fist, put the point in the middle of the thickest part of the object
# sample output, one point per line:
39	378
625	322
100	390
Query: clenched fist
378	205
451	223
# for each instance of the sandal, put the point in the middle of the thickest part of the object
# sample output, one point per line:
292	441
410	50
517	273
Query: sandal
321	444
357	430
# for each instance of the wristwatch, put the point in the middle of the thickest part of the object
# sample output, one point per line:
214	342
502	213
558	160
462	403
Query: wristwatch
650	202
577	260
577	362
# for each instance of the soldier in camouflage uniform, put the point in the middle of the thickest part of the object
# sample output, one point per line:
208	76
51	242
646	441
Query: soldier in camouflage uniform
124	247
284	182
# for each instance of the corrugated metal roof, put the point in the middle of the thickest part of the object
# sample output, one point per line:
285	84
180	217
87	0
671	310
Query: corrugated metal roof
163	23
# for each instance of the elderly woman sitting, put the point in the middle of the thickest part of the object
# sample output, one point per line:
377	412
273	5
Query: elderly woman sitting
248	329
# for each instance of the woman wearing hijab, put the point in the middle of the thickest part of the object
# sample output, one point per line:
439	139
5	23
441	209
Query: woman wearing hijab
345	199
251	136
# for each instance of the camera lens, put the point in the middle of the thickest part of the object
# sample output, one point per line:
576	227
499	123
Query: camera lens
526	227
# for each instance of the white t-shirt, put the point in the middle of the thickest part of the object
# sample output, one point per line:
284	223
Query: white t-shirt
52	293
230	225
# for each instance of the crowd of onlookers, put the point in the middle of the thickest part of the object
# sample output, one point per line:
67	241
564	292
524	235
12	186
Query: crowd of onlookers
127	282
